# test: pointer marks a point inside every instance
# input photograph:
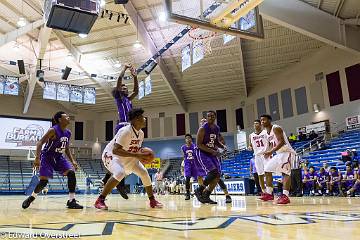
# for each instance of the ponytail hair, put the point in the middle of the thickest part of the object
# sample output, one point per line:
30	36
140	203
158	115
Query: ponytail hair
57	116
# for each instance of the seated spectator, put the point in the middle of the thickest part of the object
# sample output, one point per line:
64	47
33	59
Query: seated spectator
292	138
335	182
349	178
313	135
347	156
309	180
322	181
301	137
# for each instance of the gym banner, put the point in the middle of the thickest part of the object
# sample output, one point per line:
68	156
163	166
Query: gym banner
233	187
155	164
353	122
21	133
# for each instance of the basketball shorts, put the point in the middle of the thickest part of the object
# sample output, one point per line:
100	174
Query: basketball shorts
50	163
280	163
260	161
120	169
192	169
207	162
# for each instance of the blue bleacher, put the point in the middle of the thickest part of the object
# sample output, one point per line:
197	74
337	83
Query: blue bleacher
239	165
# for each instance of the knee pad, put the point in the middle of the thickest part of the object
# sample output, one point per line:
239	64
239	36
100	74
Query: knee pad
41	185
71	181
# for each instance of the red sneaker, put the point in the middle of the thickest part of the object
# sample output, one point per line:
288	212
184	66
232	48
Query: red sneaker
155	204
267	197
282	200
100	204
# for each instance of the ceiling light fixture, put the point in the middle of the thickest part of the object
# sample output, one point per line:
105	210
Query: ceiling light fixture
83	35
21	22
137	43
162	17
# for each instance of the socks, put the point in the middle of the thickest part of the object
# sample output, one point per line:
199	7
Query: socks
286	192
34	195
348	192
102	197
269	190
71	196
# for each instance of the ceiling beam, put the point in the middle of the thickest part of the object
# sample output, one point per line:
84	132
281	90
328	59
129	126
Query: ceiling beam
150	46
13	35
43	41
312	22
242	68
77	55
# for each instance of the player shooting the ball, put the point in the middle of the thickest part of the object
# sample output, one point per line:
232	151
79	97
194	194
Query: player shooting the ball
124	155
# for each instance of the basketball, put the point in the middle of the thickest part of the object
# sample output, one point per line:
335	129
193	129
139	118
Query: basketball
151	157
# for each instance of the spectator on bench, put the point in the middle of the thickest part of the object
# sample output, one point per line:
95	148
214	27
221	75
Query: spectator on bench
301	137
313	135
292	138
335	182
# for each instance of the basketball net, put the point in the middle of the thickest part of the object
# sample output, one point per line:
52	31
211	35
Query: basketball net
202	37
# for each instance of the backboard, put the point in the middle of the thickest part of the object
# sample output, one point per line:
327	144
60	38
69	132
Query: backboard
206	14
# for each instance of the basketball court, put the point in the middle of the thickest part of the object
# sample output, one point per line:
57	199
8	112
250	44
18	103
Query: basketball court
296	62
245	218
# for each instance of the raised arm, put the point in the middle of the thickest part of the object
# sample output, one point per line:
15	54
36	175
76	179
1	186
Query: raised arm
121	76
136	84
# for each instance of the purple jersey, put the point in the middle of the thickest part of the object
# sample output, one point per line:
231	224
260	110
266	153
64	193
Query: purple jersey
335	176
322	176
189	154
211	135
124	105
56	147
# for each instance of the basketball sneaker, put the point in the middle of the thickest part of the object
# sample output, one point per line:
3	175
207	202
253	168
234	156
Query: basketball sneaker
228	199
122	192
282	200
155	204
267	197
207	199
27	202
100	204
73	204
187	196
199	196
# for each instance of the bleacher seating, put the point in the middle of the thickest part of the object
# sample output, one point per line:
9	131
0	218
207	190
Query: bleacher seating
237	166
15	176
332	155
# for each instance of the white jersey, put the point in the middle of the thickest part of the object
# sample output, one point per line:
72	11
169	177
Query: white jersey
273	141
129	138
259	142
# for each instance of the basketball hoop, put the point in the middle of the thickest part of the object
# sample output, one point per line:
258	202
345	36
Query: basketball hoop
202	36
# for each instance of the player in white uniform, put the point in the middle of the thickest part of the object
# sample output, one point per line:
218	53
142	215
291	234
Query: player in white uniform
259	144
280	163
122	156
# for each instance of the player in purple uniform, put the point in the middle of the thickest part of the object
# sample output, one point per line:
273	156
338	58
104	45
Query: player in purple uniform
349	178
207	142
124	105
221	182
335	181
309	180
51	158
351	191
322	180
191	168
